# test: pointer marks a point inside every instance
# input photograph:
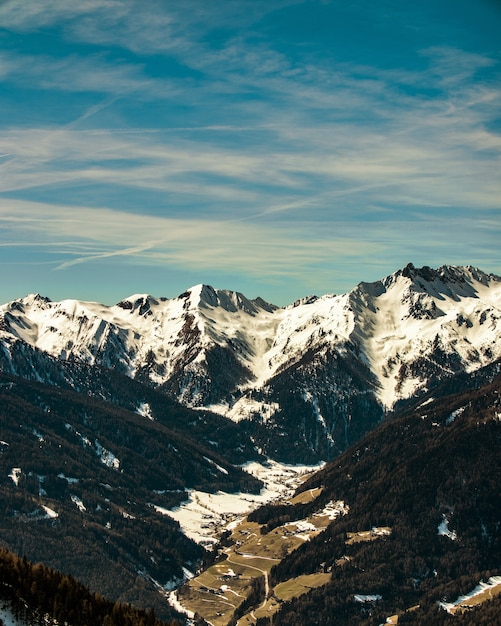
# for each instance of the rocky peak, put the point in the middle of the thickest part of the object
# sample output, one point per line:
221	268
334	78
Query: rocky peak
140	303
206	297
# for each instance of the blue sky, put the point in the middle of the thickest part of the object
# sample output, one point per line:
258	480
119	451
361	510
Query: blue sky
275	147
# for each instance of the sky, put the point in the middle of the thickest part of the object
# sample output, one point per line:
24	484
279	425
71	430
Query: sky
279	148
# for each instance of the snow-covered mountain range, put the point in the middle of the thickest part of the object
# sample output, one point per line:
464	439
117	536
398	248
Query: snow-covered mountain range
318	373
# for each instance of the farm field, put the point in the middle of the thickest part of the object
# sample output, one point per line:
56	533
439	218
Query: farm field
237	584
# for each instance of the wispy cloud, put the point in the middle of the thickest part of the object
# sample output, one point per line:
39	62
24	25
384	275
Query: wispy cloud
249	248
76	74
309	254
196	132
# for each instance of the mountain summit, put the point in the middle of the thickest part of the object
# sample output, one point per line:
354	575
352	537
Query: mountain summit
318	373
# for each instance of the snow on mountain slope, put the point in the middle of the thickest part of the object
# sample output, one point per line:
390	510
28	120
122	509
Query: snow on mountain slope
140	331
322	360
450	317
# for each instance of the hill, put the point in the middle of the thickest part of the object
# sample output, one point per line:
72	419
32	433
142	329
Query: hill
33	594
84	485
402	526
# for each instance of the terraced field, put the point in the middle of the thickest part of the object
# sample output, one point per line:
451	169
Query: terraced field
241	574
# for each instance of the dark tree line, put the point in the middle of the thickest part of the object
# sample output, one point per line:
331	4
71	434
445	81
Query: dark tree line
413	472
35	592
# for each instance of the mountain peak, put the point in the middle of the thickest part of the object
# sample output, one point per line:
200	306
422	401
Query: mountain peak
140	303
448	281
207	297
35	299
446	274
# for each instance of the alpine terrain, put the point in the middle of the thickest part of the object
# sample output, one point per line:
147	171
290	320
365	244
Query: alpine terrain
402	528
307	380
166	452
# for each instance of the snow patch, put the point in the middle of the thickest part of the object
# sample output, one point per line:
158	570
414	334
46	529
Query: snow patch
38	435
144	409
429	401
245	407
455	414
79	503
15	475
333	510
493	581
175	604
203	516
71	481
443	529
107	457
221	469
50	513
367	598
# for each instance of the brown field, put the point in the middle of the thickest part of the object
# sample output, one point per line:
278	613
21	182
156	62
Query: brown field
218	591
368	535
306	496
486	595
297	586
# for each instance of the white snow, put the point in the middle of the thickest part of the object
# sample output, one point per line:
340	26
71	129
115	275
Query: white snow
50	513
392	336
15	475
393	322
107	457
367	598
38	435
429	401
79	503
203	516
333	510
221	469
480	588
246	407
175	604
144	409
454	414
71	481
443	529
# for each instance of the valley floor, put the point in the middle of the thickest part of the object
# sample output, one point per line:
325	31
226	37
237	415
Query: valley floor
205	516
240	575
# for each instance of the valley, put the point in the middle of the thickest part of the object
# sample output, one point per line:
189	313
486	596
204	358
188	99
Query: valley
311	552
243	567
221	458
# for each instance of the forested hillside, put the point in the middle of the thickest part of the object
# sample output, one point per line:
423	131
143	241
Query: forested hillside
424	521
36	594
84	486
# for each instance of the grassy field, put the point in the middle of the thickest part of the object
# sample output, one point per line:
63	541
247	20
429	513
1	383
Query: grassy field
368	535
216	593
307	496
479	598
297	586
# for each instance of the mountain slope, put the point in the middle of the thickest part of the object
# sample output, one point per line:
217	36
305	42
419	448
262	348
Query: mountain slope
307	380
424	520
84	485
34	594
